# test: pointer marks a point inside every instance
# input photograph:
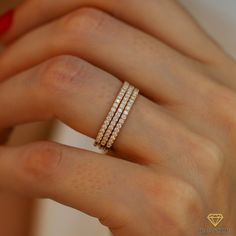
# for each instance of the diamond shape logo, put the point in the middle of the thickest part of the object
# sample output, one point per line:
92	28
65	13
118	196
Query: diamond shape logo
215	219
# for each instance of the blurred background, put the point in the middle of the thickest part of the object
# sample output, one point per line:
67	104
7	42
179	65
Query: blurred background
27	217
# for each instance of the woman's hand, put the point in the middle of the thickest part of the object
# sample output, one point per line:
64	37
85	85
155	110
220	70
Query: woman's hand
174	161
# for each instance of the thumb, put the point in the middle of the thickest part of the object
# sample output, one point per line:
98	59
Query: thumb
90	182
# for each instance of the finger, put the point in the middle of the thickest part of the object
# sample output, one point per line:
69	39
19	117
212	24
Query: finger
112	190
154	17
87	181
210	112
91	34
81	95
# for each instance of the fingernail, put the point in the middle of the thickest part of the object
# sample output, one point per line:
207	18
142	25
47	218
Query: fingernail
6	21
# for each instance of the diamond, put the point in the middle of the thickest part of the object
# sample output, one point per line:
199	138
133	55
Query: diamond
118	126
215	219
107	122
113	123
121	121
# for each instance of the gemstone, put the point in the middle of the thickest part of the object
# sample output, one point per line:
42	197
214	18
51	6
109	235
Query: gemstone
119	126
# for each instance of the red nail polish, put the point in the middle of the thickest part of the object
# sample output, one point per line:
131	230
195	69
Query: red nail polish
6	21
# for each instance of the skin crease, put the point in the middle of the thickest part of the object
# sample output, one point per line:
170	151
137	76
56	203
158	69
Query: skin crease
176	151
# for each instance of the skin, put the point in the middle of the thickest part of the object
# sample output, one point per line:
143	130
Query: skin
173	162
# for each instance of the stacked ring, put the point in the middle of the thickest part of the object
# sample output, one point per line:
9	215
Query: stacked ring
122	119
111	113
116	116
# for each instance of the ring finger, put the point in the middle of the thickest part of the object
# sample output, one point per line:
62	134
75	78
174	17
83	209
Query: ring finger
81	95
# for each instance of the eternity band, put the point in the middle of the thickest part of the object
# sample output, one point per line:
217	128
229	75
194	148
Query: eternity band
116	117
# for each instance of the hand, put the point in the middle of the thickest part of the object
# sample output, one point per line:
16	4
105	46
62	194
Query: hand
174	161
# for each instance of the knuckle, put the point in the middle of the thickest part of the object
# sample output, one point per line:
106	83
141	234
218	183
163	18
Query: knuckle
185	198
192	201
184	203
222	101
59	74
204	159
42	160
207	156
205	148
83	22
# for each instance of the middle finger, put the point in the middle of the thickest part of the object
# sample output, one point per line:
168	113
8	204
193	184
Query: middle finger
110	44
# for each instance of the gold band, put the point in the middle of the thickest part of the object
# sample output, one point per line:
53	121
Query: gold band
123	118
117	116
111	113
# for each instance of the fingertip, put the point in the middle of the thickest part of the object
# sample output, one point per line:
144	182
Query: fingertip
6	20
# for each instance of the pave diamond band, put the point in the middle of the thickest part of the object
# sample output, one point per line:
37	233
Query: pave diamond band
116	116
123	118
111	113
